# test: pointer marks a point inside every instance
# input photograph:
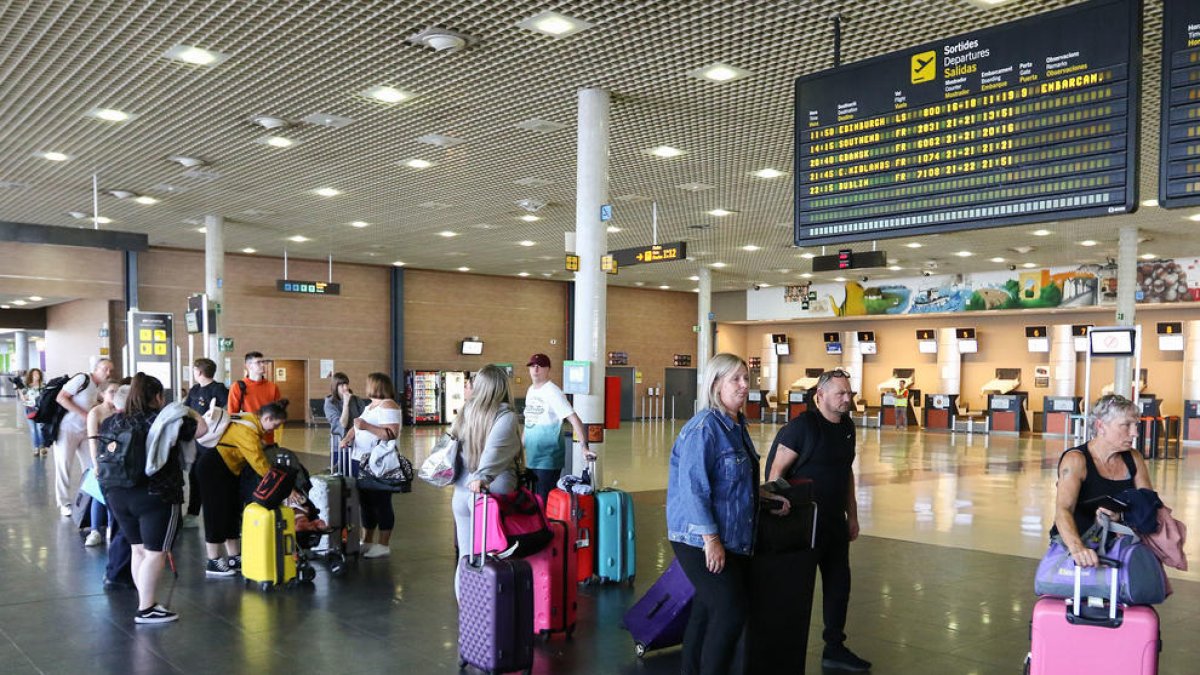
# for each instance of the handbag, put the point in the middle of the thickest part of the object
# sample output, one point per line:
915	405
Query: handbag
438	468
277	484
1140	576
520	524
386	469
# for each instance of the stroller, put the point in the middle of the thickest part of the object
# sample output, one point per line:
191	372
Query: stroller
313	527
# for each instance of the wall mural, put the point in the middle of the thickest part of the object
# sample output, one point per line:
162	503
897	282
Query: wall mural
1158	281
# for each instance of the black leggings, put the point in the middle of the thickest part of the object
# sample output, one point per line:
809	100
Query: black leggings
719	611
222	503
377	510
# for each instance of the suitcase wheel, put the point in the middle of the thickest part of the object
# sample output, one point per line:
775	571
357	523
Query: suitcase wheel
337	566
639	649
265	586
307	574
462	665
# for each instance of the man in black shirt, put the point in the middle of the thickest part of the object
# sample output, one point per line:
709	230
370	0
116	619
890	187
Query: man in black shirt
819	445
205	393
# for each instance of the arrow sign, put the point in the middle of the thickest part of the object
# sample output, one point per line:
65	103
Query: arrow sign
655	253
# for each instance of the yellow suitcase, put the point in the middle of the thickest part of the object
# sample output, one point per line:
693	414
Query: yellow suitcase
268	546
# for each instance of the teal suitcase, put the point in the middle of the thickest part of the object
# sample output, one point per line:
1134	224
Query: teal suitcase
616	552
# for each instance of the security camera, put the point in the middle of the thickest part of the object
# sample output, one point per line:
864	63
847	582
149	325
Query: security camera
926	273
1012	267
757	287
865	278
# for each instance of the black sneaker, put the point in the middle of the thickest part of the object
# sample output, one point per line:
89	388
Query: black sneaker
841	658
218	568
235	563
110	585
155	614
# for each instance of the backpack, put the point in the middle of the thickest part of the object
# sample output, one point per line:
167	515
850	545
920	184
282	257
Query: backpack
49	412
805	452
121	462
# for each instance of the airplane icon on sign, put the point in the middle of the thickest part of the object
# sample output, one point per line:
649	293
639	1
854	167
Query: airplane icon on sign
922	67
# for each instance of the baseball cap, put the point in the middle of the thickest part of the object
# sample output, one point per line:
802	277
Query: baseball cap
539	360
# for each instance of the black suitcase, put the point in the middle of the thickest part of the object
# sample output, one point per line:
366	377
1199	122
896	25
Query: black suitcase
791	533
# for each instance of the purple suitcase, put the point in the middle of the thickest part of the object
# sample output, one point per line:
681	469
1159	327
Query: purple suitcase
660	617
495	611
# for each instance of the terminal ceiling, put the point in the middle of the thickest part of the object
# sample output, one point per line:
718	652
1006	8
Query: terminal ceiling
291	60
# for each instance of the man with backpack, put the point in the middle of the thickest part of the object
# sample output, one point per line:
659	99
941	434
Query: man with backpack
75	398
819	445
252	392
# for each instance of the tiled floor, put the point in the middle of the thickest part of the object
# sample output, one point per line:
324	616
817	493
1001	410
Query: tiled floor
943	574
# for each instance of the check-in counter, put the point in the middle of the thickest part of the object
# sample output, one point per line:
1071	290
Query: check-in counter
1191	421
1008	413
756	405
1057	412
940	410
889	410
798	402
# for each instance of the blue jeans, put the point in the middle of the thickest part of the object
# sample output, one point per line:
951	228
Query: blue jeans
35	432
99	516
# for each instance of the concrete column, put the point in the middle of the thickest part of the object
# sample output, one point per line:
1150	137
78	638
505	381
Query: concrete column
591	243
21	351
1127	262
852	360
949	363
214	282
770	366
703	309
1191	362
1062	361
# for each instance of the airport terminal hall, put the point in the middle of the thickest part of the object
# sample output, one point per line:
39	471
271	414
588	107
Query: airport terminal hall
599	336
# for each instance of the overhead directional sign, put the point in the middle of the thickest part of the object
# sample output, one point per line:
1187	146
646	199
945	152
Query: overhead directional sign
308	287
651	254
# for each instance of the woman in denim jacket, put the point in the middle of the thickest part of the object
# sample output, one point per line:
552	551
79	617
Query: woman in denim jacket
712	503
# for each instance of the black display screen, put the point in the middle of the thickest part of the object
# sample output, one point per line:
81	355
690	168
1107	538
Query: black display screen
1179	135
1029	121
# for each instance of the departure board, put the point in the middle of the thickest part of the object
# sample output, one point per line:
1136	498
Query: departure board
1029	121
1179	135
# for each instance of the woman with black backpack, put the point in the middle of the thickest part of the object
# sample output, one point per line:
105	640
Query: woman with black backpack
147	507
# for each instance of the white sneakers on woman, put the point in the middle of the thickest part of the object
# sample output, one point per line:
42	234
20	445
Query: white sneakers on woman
375	551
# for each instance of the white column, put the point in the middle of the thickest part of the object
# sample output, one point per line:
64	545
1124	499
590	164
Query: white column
591	243
1191	361
214	282
20	352
1126	288
1062	360
703	309
949	363
852	360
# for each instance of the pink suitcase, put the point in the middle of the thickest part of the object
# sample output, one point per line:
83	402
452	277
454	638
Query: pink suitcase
1108	639
555	591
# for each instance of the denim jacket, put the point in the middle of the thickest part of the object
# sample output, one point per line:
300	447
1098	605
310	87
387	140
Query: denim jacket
712	487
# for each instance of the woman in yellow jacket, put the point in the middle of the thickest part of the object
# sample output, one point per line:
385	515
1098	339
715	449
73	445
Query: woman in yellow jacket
218	472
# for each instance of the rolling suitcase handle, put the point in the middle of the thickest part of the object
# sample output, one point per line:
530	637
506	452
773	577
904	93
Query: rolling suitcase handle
483	543
1075	615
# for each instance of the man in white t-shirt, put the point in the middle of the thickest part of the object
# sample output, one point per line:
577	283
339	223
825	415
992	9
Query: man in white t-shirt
79	395
545	409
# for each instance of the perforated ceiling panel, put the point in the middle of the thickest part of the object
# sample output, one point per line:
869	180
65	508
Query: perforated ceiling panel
308	62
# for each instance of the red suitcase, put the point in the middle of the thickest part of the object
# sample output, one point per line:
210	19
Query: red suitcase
580	511
555	590
1105	639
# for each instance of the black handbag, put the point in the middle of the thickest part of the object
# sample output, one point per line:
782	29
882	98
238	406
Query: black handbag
793	532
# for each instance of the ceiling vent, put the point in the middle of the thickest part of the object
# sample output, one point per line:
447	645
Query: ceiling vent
442	40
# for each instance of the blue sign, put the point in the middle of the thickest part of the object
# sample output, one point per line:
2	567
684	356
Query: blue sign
605	212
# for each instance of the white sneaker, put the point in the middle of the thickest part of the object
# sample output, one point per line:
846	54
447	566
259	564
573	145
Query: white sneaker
65	511
94	538
377	551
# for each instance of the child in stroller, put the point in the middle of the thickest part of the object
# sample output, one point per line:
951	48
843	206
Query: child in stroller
310	530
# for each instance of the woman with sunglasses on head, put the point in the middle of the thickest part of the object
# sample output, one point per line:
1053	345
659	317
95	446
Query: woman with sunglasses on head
379	422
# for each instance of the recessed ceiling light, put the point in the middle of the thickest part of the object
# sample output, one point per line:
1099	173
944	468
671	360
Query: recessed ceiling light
359	224
768	173
612	229
914	244
298	238
447	234
639	283
418	163
996	260
194	55
1041	233
1149	202
1148	256
719	72
249	250
522	274
5	306
1022	249
386	94
1195	217
554	24
988	4
54	156
806	275
19	303
36	298
187	162
840	279
717	265
103	220
808	256
751	247
277	141
963	254
327	192
202	230
527	243
693	278
720	213
1088	242
895	268
464	269
146	200
761	285
109	114
398	263
665	287
547	274
1029	265
530	218
664	151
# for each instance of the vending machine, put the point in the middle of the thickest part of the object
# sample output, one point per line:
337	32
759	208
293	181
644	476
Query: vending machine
454	395
421	394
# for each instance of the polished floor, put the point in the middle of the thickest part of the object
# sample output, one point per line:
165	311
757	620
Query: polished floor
952	525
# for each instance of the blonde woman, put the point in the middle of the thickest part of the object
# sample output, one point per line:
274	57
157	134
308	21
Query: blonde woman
490	446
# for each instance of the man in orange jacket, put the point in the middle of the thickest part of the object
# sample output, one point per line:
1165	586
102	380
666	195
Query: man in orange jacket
254	391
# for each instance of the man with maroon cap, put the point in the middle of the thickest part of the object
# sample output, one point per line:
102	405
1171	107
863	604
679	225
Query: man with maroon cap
545	409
